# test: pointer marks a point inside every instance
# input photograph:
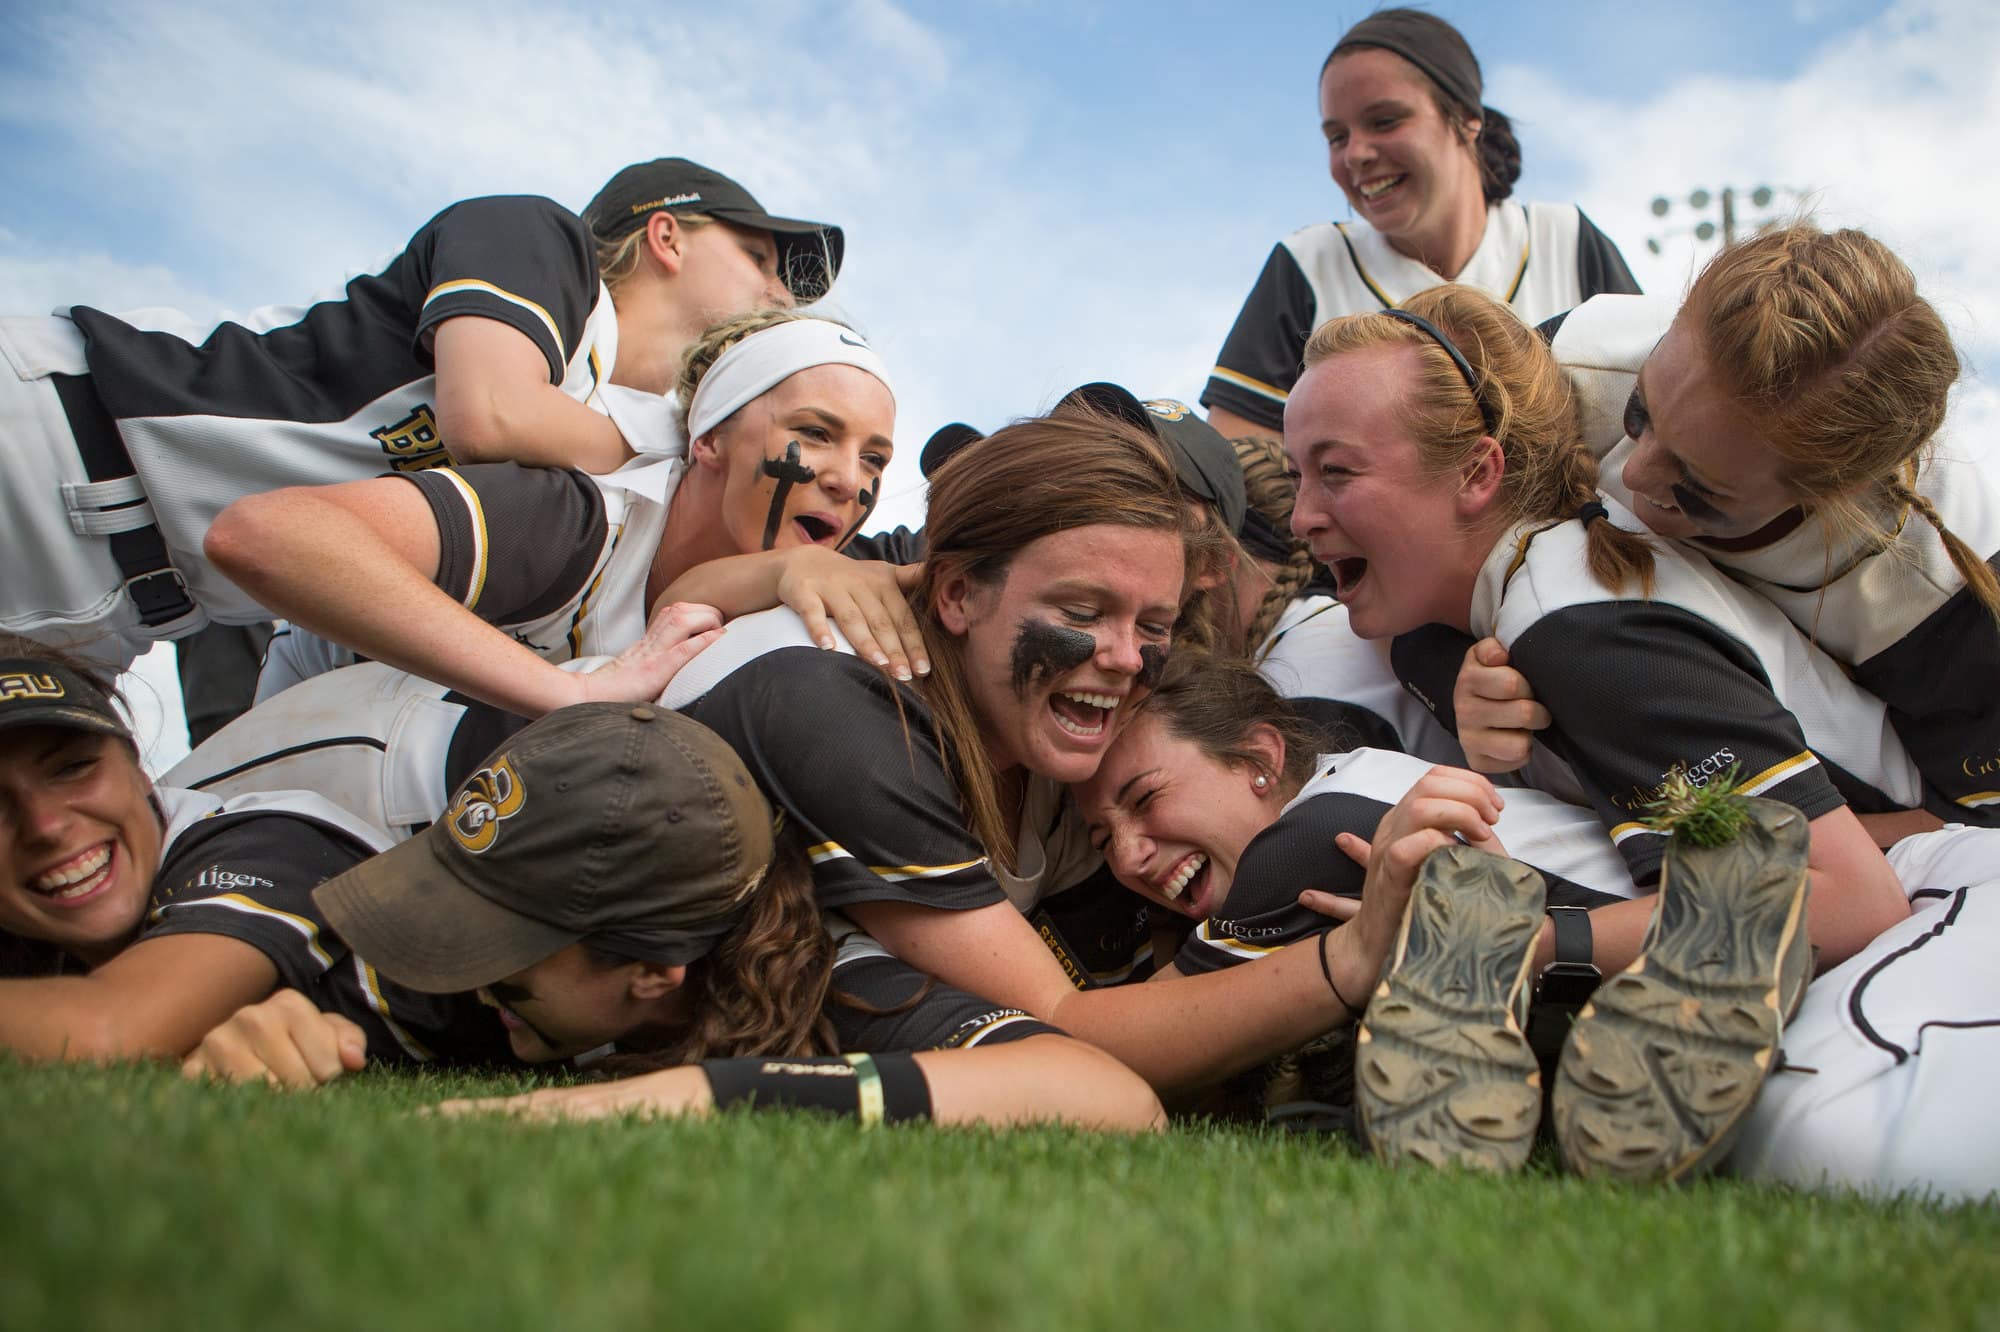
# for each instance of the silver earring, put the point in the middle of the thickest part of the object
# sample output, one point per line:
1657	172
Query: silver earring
1261	782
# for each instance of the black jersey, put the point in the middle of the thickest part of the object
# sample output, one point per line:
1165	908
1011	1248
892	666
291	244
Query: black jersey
246	868
1703	677
345	388
1540	259
880	1003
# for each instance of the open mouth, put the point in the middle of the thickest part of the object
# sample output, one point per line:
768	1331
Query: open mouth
1187	886
817	529
1083	714
76	878
1348	571
1375	189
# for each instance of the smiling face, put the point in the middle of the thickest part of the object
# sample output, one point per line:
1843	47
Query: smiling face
1171	820
1405	169
1077	628
1699	464
79	840
802	464
568	1004
1396	537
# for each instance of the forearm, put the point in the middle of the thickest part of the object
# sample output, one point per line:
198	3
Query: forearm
1231	426
1041	1079
59	1018
1200	1029
321	566
735	584
525	422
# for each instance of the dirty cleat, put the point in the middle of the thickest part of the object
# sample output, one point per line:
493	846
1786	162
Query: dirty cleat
1668	1056
1443	1073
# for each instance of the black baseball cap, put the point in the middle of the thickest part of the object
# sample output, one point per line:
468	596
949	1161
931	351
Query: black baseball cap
809	253
38	692
627	827
1205	462
944	442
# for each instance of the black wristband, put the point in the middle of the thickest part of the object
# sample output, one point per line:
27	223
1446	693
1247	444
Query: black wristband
875	1089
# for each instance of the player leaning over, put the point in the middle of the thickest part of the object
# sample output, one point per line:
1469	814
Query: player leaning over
505	330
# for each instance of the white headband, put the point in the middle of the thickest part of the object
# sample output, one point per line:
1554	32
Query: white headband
752	367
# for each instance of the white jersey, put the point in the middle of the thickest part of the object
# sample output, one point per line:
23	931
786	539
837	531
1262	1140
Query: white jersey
1703	676
1540	259
1896	611
1314	658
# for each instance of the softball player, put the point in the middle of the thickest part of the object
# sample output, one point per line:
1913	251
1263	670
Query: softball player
1427	170
492	335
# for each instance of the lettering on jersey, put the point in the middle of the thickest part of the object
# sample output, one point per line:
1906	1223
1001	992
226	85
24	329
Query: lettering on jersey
1045	651
488	798
1236	930
1167	409
413	443
971	1027
1639	799
1981	765
1077	976
1420	696
229	881
21	684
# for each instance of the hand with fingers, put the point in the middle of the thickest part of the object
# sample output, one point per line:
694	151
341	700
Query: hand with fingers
283	1040
1496	710
868	599
1445	805
674	636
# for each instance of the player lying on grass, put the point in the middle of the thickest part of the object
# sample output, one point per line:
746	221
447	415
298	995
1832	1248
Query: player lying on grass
1212	805
533	919
507	329
1787	425
484	577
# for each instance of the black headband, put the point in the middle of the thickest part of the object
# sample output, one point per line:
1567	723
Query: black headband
1429	43
1436	335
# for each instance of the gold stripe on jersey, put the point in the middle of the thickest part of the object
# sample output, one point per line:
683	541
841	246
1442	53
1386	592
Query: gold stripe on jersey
371	989
238	902
1979	798
991	1025
1621	831
596	368
1234	947
1778	772
476	511
1256	386
1354	258
826	851
1514	287
474	284
590	594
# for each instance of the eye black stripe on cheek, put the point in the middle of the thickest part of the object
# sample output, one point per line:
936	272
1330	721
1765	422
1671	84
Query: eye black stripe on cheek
1043	650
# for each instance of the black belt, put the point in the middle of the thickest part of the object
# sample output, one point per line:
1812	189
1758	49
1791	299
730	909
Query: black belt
151	580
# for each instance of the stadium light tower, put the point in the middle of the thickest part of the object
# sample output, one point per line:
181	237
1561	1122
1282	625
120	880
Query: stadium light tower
1699	202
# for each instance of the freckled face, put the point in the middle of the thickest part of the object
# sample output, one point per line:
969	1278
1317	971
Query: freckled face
803	464
1392	534
79	840
1077	627
1699	465
1171	821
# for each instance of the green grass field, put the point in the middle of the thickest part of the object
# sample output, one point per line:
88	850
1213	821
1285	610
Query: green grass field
133	1200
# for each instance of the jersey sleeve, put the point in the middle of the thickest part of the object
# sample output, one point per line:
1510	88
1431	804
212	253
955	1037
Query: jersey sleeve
1262	357
1939	684
1427	660
880	1003
514	543
1638	689
852	757
250	877
1262	913
1600	268
525	261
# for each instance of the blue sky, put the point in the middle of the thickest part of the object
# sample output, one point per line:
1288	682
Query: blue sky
1036	193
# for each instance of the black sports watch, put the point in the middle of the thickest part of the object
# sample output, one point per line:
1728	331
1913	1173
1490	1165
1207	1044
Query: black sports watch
1570	980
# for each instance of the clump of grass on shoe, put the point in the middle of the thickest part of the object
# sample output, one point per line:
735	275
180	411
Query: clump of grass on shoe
1712	814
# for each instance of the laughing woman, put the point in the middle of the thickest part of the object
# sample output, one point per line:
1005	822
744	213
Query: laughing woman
484	578
1428	171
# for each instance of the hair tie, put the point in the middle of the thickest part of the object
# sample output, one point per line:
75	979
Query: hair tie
1436	334
1594	509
